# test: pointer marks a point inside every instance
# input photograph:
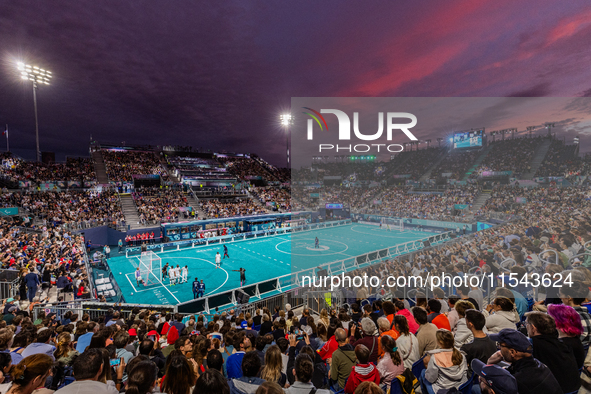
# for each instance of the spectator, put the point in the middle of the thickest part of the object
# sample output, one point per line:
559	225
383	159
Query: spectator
363	371
481	347
242	345
142	378
211	381
343	359
435	316
547	348
503	315
390	365
368	388
121	340
41	345
426	333
402	311
462	333
248	382
532	376
570	329
30	374
446	366
493	379
272	371
88	368
270	388
571	296
408	345
179	376
303	371
369	338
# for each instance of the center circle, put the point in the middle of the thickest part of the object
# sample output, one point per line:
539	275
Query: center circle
304	244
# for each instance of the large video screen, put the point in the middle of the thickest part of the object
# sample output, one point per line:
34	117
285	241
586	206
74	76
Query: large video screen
468	139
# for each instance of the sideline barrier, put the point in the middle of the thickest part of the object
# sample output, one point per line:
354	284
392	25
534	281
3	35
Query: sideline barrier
193	243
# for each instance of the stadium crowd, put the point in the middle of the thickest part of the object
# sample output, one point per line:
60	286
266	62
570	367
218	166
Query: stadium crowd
456	163
510	155
224	209
278	197
398	202
560	161
121	166
159	205
74	169
76	209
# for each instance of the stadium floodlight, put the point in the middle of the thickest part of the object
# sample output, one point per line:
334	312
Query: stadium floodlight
287	121
38	76
428	143
549	126
439	141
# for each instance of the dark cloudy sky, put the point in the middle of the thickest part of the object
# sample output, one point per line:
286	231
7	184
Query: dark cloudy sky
217	74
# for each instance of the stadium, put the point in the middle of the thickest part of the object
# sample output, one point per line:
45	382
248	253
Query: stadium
172	223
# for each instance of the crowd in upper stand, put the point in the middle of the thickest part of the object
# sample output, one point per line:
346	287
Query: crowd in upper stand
510	155
456	163
560	161
398	202
77	209
156	205
121	166
74	169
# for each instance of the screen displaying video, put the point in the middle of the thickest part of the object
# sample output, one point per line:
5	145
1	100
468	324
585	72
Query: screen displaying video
468	139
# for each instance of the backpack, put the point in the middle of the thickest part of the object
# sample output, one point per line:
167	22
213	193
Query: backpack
407	381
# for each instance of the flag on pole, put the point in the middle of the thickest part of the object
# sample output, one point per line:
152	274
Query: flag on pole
5	132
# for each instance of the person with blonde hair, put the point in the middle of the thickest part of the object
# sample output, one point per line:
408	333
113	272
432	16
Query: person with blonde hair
271	372
324	319
446	366
65	351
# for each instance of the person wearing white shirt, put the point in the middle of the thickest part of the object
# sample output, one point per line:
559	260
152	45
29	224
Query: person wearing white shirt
218	260
172	275
185	274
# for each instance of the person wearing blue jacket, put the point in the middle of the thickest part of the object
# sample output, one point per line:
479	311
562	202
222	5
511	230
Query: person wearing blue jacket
32	281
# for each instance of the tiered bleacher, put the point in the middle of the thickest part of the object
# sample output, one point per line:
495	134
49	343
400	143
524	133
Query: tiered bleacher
155	205
513	155
122	165
559	161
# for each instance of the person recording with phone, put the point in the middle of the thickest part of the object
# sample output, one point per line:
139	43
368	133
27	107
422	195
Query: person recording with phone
369	338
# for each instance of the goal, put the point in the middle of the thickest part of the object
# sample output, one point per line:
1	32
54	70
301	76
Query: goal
150	268
394	224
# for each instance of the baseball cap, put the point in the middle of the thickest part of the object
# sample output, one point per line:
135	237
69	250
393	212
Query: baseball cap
513	339
499	379
132	332
544	239
10	300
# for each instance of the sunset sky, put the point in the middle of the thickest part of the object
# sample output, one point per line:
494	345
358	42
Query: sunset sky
218	74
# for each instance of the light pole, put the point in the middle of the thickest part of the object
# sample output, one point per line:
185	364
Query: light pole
287	121
549	126
37	76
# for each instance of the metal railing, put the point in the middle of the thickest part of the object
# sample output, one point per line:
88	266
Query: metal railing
95	309
9	283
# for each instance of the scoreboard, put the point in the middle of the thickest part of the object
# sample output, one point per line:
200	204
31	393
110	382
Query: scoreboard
468	139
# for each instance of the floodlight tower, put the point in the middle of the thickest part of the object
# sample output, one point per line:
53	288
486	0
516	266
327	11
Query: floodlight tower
439	139
287	121
38	76
549	126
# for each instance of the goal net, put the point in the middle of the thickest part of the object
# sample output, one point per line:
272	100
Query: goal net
393	224
150	268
